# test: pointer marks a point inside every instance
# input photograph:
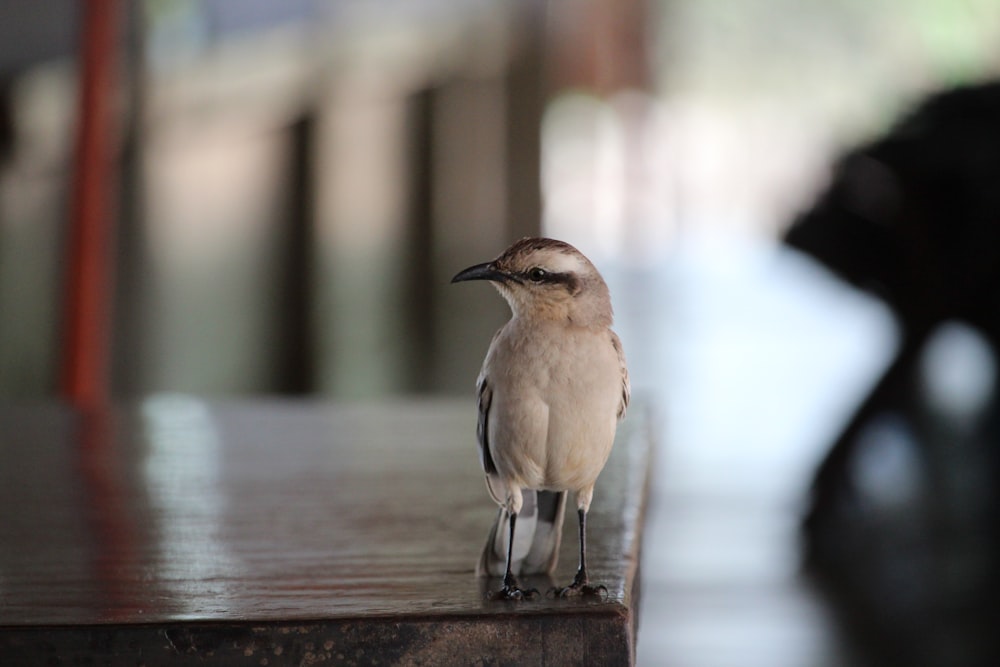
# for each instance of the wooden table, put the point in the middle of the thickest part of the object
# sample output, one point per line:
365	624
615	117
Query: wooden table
285	532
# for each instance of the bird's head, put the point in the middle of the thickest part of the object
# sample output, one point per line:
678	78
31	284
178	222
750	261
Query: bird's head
547	279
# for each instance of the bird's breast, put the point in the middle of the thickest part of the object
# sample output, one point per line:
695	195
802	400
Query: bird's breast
555	401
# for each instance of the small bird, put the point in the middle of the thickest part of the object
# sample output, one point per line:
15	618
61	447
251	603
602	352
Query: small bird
552	389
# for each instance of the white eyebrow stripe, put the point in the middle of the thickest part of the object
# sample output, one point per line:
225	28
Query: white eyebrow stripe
558	262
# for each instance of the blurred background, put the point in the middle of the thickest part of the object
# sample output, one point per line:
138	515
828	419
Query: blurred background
293	183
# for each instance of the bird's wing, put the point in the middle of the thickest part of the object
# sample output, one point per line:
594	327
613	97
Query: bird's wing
484	394
626	386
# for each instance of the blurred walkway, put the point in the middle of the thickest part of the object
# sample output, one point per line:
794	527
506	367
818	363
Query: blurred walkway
754	359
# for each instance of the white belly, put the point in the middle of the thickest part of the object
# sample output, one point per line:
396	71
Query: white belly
553	418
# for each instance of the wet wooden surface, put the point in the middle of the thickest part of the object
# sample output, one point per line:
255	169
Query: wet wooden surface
283	532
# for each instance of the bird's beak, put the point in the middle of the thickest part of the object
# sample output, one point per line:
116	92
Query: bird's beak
486	271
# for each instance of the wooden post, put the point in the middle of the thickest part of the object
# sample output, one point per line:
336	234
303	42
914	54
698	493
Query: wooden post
85	367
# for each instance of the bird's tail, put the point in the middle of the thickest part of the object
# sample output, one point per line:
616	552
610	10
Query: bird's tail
537	535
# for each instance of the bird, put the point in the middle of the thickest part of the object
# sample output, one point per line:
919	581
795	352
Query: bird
553	387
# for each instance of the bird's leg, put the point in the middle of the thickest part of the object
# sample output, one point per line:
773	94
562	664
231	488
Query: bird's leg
581	582
510	590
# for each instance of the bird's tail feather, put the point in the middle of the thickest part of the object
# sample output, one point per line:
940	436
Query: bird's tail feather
537	535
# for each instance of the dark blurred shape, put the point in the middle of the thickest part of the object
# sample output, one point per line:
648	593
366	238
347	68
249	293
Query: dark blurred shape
294	370
903	527
44	30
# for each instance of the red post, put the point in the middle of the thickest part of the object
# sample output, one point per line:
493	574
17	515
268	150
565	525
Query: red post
87	328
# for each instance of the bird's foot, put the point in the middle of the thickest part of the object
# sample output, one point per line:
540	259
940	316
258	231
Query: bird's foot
513	593
600	591
580	587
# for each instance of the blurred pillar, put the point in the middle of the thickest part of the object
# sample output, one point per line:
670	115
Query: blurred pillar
601	45
471	202
363	338
527	91
88	294
294	365
421	284
129	319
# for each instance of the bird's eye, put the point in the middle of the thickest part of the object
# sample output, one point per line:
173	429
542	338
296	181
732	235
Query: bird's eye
537	274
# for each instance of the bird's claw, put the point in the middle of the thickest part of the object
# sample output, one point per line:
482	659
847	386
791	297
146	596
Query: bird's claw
599	591
512	593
